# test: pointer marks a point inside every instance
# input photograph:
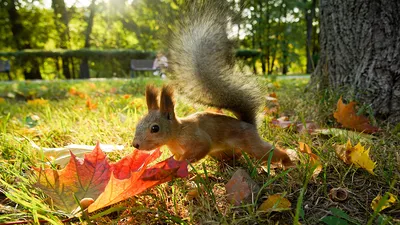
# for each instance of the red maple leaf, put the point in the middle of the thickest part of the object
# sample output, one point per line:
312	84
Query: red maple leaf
95	178
80	178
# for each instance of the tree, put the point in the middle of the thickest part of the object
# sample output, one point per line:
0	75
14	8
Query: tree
360	52
309	17
61	20
84	68
22	39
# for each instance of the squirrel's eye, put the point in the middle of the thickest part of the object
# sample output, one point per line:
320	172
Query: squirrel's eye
154	129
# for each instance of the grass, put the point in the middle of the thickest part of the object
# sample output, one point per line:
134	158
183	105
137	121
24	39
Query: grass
65	117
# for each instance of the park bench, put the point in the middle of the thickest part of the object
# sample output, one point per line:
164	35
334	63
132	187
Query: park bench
5	67
141	65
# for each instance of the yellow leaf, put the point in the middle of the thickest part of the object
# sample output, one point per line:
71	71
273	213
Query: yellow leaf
390	202
2	100
313	160
275	203
37	102
193	194
356	155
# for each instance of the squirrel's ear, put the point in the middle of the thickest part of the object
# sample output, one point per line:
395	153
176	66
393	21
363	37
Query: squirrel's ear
151	97
167	102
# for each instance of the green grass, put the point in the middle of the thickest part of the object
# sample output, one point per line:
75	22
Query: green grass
65	119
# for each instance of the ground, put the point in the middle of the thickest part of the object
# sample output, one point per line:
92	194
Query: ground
58	113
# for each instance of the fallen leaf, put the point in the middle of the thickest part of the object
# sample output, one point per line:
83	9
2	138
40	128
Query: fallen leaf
346	115
138	102
95	178
92	85
313	159
193	194
62	155
270	111
37	102
272	105
85	178
344	134
273	95
282	122
356	155
272	98
276	84
307	127
139	180
388	203
113	90
72	91
90	105
275	203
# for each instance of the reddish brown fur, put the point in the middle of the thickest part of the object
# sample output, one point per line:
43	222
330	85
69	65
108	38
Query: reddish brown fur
152	97
200	134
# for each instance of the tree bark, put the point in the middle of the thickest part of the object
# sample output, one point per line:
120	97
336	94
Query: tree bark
360	52
282	10
84	67
310	14
31	66
62	21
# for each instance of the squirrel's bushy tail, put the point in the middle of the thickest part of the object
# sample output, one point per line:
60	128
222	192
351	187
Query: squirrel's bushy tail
203	66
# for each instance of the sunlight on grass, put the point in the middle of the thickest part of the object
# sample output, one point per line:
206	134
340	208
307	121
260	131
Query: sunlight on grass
56	113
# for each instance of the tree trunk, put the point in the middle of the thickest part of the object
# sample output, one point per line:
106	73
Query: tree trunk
282	10
360	52
22	42
62	21
267	40
84	67
310	14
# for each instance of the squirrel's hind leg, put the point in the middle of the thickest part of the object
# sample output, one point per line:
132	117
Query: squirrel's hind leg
226	155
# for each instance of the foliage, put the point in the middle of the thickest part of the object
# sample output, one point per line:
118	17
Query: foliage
348	117
103	63
91	53
142	25
106	184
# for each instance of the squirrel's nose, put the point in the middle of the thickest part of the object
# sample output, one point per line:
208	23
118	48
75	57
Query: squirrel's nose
135	144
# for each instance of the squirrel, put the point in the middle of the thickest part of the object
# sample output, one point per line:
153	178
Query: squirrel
202	66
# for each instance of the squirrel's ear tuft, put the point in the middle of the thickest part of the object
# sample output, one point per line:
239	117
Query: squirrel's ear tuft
167	102
152	97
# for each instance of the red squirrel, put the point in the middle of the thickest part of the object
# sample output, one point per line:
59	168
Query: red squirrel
203	70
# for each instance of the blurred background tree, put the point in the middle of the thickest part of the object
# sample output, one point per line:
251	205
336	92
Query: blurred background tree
281	35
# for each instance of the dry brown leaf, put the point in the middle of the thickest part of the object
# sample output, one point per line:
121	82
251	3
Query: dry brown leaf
313	160
282	122
272	105
346	115
275	203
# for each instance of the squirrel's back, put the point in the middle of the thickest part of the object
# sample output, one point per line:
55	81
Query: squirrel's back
203	65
